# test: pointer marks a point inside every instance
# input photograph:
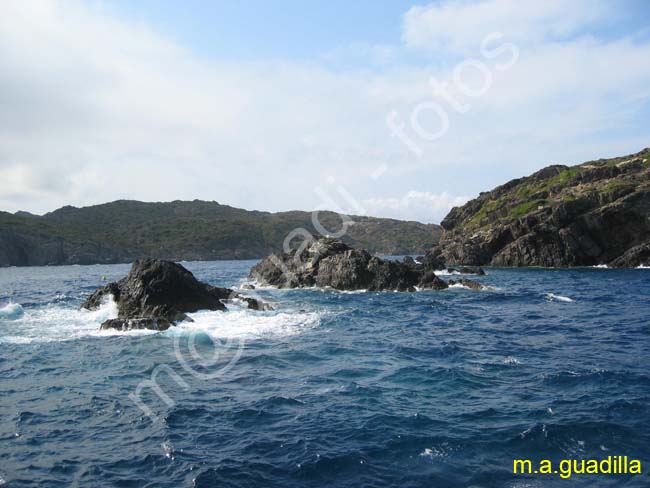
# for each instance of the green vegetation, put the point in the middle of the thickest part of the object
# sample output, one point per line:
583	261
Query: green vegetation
616	184
125	230
549	188
525	208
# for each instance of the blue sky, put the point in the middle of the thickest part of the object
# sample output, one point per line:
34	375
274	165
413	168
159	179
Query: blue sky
255	30
301	105
307	30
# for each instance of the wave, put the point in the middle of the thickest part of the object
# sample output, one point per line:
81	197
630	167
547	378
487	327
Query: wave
247	324
643	266
460	286
57	322
600	266
11	311
558	298
446	272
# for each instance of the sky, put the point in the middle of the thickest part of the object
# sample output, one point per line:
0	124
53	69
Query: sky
385	108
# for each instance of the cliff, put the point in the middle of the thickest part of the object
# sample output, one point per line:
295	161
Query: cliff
594	213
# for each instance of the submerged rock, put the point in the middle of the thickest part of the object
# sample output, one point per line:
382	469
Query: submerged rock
157	293
137	324
328	262
474	285
475	270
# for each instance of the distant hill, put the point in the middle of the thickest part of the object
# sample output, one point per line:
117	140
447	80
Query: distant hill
595	213
124	230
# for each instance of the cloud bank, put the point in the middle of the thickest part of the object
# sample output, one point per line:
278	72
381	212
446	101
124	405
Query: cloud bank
96	107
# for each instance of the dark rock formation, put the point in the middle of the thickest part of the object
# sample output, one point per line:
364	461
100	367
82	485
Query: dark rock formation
157	293
475	270
474	285
134	324
331	263
594	213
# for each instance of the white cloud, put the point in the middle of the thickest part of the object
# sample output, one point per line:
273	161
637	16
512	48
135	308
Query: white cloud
461	25
415	205
96	107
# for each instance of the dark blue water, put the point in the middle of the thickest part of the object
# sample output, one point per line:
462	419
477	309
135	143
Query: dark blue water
426	389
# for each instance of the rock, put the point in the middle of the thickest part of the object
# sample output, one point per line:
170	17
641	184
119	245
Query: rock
474	285
137	324
331	263
158	292
431	281
248	287
475	270
585	215
633	257
433	259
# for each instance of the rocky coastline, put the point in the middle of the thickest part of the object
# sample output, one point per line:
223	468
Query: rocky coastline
330	263
157	294
596	213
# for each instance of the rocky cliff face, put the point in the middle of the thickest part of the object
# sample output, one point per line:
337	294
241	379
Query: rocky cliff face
594	213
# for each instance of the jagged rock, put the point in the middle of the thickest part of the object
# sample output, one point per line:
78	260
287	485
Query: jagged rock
633	257
475	270
158	292
430	280
331	263
594	213
136	324
474	285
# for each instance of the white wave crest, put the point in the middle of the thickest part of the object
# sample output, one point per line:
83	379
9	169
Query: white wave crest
247	324
460	286
56	322
643	266
558	298
11	311
446	272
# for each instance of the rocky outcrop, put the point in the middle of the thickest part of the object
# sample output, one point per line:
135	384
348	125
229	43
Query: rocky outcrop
150	323
474	270
331	263
464	282
594	213
157	293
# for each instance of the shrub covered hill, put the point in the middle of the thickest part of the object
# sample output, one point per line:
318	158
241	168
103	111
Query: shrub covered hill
123	231
595	213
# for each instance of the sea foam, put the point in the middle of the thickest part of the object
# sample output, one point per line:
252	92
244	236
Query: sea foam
558	298
11	311
59	322
247	324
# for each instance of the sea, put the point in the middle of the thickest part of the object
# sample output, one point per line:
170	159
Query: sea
329	389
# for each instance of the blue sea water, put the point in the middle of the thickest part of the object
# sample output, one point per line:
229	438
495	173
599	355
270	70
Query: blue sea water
425	389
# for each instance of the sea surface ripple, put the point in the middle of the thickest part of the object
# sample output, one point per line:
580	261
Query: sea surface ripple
425	389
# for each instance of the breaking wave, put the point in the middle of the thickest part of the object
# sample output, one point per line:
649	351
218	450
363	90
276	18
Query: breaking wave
11	311
552	297
60	323
247	324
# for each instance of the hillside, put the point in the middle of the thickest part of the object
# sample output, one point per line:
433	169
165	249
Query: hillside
122	231
595	213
